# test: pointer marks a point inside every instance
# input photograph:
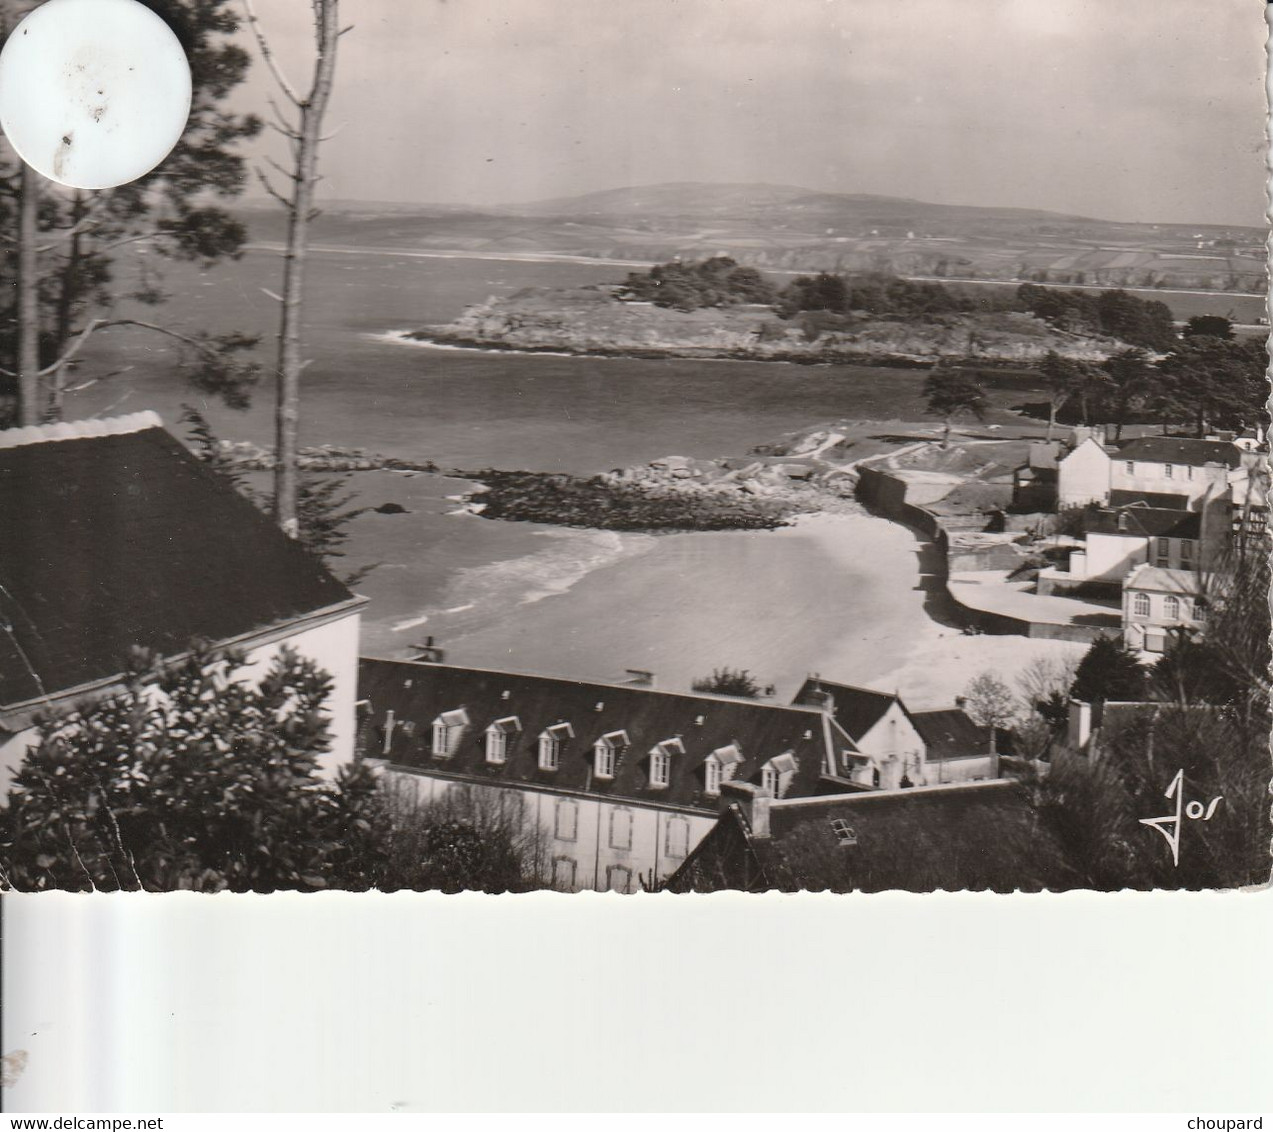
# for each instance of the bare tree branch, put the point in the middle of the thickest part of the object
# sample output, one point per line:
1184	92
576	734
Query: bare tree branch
268	55
205	348
283	126
280	170
265	183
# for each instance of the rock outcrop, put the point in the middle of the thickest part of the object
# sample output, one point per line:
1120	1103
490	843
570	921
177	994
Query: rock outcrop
592	320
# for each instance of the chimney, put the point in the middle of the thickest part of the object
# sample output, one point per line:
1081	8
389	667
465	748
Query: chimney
752	802
1079	725
820	698
760	817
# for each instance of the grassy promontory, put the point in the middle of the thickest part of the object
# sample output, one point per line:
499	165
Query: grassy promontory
597	321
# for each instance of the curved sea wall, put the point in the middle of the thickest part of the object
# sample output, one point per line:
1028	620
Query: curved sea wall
885	495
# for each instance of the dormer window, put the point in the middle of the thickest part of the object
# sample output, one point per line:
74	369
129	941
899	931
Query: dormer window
711	775
447	730
720	766
497	738
776	774
551	741
606	752
661	761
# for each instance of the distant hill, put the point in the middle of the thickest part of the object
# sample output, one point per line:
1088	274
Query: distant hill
788	228
703	199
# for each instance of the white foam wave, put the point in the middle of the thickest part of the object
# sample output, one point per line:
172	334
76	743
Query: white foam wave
479	594
402	338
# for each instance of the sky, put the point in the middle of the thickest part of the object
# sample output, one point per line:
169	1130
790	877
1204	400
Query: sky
1142	110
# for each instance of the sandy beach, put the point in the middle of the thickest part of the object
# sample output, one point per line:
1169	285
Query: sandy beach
837	595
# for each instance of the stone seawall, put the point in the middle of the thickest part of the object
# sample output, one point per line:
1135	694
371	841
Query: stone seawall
885	495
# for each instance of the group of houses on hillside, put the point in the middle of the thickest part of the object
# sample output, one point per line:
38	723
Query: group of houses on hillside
1162	514
118	538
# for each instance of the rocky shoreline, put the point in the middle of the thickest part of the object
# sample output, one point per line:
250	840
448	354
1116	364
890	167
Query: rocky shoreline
441	336
675	494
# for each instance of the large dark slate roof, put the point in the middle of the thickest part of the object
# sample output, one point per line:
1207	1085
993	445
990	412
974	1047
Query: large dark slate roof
968	836
855	709
1180	450
1147	522
949	733
124	539
417	693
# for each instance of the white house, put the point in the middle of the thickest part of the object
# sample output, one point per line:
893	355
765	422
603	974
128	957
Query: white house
1118	540
1083	474
896	747
115	537
1173	466
1157	601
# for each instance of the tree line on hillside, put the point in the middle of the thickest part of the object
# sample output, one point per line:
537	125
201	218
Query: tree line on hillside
720	281
1207	379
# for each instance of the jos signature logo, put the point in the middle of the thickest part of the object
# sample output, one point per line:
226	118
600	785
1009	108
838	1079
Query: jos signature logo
1194	810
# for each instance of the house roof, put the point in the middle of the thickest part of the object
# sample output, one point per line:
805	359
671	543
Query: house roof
418	692
855	709
949	733
1180	450
1146	522
978	835
1167	501
1159	579
115	536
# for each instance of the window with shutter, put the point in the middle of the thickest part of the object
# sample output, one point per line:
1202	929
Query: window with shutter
564	869
619	878
676	837
496	746
567	819
620	829
711	775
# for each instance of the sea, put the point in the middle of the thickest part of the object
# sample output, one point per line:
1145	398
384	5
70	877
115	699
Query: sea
581	603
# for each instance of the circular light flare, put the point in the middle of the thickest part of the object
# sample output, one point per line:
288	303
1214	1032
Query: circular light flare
93	93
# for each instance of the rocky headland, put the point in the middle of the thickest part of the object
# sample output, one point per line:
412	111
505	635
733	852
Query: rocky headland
594	320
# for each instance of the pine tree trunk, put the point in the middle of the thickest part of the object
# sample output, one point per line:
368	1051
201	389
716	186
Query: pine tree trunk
29	410
67	293
305	175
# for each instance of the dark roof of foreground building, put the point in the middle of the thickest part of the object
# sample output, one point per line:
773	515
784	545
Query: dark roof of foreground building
974	835
1146	522
1181	450
636	719
855	709
115	537
1164	500
949	733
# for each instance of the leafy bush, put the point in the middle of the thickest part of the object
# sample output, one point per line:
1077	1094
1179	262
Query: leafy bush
728	682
